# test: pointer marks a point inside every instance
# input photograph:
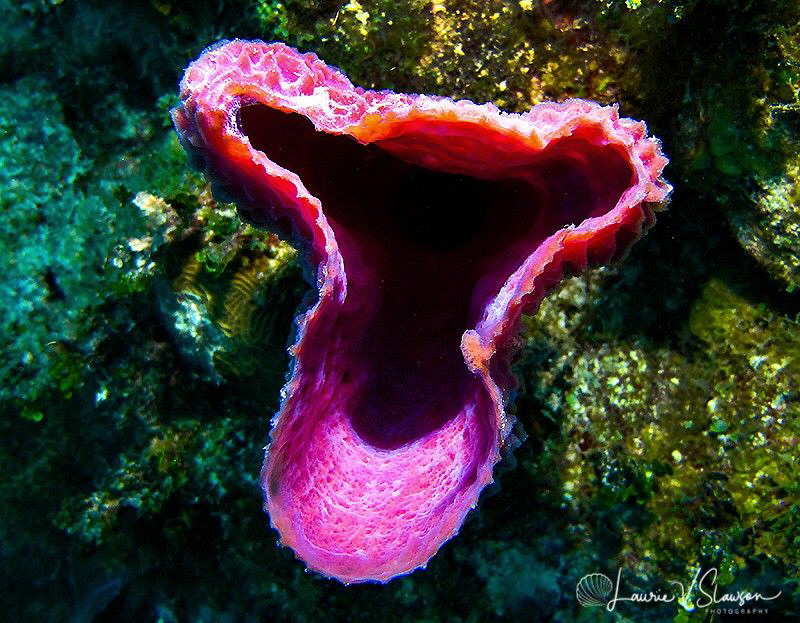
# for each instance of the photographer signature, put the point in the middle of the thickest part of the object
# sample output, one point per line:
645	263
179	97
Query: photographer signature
593	590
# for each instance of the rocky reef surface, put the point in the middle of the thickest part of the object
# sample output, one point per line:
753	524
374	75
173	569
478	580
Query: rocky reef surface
145	326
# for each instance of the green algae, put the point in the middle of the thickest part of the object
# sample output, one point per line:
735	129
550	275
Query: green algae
508	53
692	448
769	227
62	256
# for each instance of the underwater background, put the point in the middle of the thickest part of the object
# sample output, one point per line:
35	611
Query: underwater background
144	326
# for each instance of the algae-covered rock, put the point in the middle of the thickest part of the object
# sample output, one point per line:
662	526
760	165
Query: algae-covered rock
693	448
768	223
59	237
736	128
512	53
769	228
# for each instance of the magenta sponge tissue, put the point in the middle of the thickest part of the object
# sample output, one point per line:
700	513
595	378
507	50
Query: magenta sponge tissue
429	226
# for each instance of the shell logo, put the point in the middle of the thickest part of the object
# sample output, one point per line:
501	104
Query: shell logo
593	590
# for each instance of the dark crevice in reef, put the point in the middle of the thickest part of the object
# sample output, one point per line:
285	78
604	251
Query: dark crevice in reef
440	245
